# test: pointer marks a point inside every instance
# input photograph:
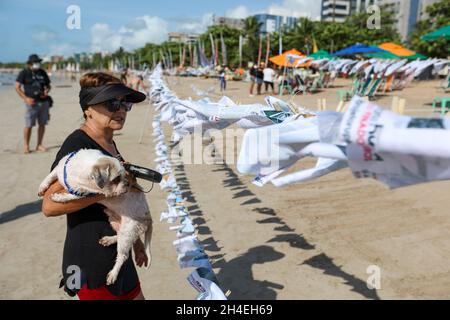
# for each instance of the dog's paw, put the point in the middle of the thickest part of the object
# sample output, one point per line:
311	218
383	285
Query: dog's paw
107	241
111	278
58	197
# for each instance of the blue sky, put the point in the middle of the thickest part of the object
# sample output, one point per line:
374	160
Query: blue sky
39	26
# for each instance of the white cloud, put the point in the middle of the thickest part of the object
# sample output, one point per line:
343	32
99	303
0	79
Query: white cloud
240	12
131	36
62	49
44	35
196	26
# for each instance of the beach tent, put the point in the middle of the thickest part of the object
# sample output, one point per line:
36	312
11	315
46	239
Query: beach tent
283	60
321	54
416	56
401	52
396	49
439	33
357	49
382	55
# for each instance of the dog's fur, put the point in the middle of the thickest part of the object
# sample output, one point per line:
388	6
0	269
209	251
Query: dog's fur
90	171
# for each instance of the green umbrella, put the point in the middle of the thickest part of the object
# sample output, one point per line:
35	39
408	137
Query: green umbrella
416	56
442	32
382	55
321	54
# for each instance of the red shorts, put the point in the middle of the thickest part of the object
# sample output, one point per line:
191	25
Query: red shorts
103	293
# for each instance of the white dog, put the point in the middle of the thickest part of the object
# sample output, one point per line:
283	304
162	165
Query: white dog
88	172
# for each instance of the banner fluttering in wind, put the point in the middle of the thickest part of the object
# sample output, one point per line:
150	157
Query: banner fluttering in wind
213	49
259	49
224	50
267	49
280	42
190	55
315	48
216	54
203	60
241	43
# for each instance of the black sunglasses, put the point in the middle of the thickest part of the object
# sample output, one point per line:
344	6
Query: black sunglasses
114	105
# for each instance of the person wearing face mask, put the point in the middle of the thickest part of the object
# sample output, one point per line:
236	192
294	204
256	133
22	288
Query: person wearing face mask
33	86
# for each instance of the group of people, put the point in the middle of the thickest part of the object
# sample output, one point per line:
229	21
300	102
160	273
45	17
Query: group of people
261	74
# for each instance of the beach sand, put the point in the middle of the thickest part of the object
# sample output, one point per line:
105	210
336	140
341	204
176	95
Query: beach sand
308	241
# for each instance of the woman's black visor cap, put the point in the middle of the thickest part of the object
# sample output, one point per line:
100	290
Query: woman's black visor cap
95	95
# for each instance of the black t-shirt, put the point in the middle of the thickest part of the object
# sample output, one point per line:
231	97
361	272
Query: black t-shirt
84	230
259	73
34	82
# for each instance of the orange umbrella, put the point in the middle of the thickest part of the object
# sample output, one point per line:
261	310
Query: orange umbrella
282	61
396	49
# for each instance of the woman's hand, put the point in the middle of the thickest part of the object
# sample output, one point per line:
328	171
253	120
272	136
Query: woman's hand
140	256
53	209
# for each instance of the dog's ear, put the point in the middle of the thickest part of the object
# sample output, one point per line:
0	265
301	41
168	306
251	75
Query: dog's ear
100	173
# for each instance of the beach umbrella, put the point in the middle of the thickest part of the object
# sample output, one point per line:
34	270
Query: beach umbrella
382	55
416	56
287	59
321	54
439	33
396	49
357	49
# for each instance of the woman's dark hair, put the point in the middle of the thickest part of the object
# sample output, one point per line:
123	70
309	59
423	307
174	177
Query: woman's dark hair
97	79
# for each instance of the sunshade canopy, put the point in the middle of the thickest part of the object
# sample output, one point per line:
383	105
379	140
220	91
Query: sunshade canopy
357	49
382	55
396	49
439	33
321	54
283	60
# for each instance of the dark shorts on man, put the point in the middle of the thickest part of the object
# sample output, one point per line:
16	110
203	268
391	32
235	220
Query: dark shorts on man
37	112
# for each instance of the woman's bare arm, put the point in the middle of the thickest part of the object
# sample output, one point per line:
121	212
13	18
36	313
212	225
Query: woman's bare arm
54	209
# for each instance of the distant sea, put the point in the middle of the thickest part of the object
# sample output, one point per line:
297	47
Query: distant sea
7	79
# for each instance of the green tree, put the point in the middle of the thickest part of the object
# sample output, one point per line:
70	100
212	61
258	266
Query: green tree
251	33
439	16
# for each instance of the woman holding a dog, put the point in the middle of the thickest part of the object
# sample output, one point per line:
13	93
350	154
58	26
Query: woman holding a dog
105	102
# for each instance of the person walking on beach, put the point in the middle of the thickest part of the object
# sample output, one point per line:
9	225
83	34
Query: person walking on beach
33	86
222	78
260	77
137	83
269	75
124	76
104	102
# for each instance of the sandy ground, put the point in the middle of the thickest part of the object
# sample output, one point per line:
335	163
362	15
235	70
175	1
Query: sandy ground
309	241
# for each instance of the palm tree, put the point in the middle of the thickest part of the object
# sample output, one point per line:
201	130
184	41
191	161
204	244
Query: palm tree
300	36
251	32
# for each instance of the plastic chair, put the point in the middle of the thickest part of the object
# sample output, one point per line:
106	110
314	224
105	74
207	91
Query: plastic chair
443	101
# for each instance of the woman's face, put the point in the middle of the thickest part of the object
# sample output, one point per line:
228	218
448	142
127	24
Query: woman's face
104	119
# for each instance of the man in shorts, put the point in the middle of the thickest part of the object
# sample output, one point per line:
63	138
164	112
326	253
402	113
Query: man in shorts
260	77
33	85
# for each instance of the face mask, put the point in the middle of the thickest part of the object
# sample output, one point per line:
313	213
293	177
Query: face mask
35	66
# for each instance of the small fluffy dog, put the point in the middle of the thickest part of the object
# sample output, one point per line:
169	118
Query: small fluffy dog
89	171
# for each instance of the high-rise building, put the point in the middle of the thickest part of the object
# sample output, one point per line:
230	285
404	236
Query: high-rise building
339	10
271	23
229	22
407	13
181	37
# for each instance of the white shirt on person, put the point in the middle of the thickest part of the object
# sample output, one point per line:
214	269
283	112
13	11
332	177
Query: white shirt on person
269	74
